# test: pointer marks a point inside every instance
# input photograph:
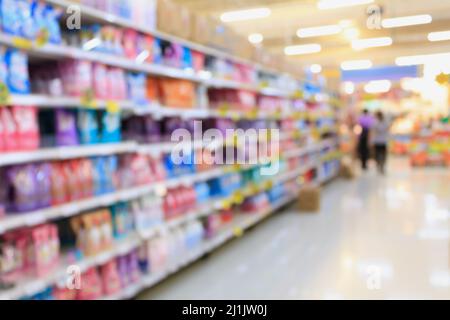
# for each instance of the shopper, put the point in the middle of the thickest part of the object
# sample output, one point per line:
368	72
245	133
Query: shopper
380	139
365	122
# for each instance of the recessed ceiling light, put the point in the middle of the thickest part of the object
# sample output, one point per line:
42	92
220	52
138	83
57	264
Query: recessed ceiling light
351	33
318	31
346	23
406	21
333	4
255	38
302	49
439	36
356	65
242	15
361	44
421	59
378	86
315	68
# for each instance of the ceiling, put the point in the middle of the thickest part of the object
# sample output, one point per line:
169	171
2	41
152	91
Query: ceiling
279	29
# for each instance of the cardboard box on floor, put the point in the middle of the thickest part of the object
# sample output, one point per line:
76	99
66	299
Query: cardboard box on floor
347	169
309	199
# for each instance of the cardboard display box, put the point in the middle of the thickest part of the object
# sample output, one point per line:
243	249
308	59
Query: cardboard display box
309	199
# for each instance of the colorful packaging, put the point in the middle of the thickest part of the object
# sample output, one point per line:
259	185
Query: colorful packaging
18	77
28	28
110	127
66	128
43	185
27	129
22	189
88	127
10	17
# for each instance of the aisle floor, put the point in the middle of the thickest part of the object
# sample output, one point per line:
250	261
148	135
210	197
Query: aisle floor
375	238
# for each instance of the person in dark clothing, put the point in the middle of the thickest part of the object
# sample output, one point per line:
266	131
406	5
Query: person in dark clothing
380	139
365	122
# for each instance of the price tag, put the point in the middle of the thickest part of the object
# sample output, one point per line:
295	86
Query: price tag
253	114
264	84
223	109
5	97
277	114
238	198
112	107
298	94
227	204
238	232
22	43
42	37
235	116
88	99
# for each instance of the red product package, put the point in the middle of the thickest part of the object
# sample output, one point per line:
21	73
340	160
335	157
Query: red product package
72	176
110	278
27	128
91	285
86	174
145	47
129	43
9	130
198	60
59	184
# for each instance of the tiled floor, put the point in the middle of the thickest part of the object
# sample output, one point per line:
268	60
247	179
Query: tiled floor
375	237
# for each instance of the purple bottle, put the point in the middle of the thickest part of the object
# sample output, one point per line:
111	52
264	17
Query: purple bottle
22	189
66	128
42	174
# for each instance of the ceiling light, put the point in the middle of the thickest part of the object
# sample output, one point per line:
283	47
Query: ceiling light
249	14
378	86
421	59
371	43
255	38
333	4
351	33
315	68
439	36
302	49
406	21
349	87
318	31
356	65
346	23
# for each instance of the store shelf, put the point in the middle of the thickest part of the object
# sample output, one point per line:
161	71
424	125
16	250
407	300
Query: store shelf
102	17
14	221
30	286
229	232
61	51
65	153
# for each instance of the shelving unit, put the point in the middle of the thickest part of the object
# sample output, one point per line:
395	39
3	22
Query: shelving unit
29	286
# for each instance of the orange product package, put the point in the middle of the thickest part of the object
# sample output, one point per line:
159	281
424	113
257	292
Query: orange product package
177	93
152	89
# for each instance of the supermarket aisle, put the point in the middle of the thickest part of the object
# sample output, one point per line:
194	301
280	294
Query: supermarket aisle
375	238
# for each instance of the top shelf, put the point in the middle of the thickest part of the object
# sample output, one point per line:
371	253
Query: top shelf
62	51
104	17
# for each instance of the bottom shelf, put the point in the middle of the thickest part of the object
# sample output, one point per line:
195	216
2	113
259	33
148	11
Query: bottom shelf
241	224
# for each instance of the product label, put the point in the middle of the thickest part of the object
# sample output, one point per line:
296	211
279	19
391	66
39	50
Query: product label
22	43
4	95
88	99
112	107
